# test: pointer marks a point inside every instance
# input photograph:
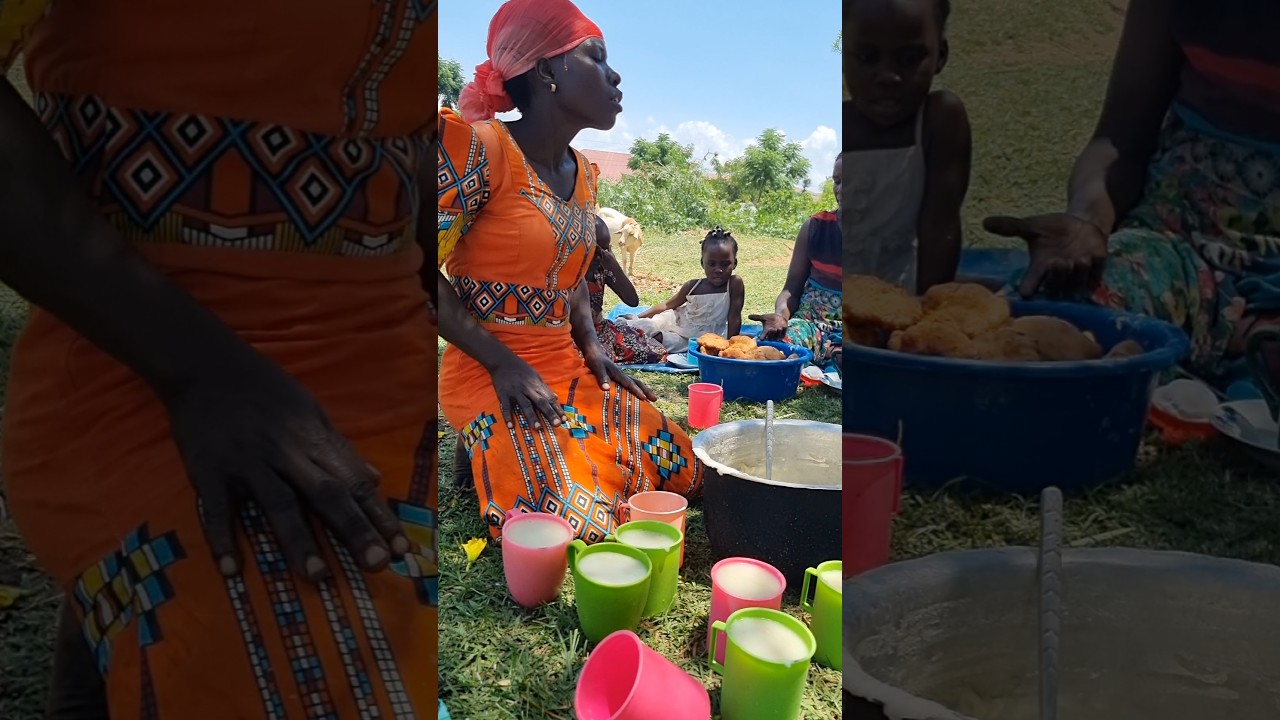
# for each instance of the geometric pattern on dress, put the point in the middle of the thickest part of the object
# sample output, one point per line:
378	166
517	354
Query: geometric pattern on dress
590	516
361	100
344	637
577	425
374	634
461	191
290	619
256	648
149	709
574	226
665	454
513	304
478	431
421	564
164	176
128	584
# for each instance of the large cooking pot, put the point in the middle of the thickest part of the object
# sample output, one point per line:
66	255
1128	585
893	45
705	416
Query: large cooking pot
791	523
1145	635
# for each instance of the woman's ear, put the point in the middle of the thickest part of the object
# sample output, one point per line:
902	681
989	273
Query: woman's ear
546	76
944	51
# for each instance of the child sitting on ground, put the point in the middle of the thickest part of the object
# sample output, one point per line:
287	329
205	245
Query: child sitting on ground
910	146
709	304
624	344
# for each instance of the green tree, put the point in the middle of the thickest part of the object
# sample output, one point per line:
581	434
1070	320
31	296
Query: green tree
449	80
769	165
839	41
664	151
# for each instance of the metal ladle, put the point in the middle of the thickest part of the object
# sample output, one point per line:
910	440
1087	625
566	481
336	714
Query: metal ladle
768	441
1050	581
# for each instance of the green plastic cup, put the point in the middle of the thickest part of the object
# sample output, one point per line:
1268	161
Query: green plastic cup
766	664
611	586
661	543
825	610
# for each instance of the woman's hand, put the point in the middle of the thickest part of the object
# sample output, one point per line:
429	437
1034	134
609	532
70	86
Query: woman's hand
605	370
775	326
520	387
1067	253
250	432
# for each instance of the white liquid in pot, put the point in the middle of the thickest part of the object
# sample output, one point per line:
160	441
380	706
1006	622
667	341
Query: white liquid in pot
747	581
768	640
536	533
647	539
612	568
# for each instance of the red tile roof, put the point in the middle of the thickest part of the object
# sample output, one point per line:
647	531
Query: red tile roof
613	165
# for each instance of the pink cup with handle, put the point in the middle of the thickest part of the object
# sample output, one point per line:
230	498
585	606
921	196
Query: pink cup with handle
624	679
659	505
705	400
535	556
738	583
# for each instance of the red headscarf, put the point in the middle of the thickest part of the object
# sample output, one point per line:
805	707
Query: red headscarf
520	34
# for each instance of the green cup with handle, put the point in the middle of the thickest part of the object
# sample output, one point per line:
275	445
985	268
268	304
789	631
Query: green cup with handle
610	586
661	543
828	598
766	664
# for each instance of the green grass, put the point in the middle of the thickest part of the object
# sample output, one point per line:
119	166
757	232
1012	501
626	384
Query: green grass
499	661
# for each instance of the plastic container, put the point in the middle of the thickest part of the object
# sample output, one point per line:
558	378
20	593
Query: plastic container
624	679
1017	427
871	494
754	380
705	400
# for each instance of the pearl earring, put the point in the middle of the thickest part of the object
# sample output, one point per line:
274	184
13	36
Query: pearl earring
553	87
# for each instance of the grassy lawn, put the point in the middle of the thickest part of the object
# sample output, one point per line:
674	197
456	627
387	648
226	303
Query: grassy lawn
500	661
1032	75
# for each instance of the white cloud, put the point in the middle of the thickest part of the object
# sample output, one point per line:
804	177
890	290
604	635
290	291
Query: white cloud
821	147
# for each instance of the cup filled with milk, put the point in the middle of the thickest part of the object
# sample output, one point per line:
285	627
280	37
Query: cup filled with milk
661	543
738	583
827	581
665	507
766	664
611	585
533	556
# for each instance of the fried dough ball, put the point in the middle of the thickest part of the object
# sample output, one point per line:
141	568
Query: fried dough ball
1057	340
711	343
972	308
872	301
764	352
864	335
1125	349
1006	345
934	338
737	351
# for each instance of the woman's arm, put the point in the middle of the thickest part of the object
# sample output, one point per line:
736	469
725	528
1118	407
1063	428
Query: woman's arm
797	275
948	154
581	320
593	354
676	301
618	280
1108	176
57	251
737	296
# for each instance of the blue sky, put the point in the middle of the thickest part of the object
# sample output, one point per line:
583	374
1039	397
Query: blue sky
711	73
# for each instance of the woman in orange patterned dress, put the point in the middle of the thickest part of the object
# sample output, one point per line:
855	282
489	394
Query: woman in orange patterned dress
549	423
220	431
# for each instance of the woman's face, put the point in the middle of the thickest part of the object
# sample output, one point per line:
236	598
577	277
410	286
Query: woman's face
587	88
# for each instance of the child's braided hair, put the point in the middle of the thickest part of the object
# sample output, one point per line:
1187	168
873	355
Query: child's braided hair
719	235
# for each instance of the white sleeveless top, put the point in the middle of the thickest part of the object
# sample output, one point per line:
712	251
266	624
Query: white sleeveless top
882	192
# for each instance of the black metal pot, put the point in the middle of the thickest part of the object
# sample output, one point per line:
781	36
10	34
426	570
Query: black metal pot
791	523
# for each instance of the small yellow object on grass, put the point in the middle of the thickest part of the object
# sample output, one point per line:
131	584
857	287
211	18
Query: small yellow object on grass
473	548
9	595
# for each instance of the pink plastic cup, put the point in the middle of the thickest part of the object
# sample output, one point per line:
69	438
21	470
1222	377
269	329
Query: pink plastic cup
624	679
534	572
660	505
705	400
871	490
726	600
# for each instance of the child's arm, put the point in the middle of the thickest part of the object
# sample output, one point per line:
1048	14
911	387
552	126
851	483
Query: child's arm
797	275
948	154
618	280
737	296
676	301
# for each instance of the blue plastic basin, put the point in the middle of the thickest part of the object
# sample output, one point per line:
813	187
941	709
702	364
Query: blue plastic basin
1018	427
754	380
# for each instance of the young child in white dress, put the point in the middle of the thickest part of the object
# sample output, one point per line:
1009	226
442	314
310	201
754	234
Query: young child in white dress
712	303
